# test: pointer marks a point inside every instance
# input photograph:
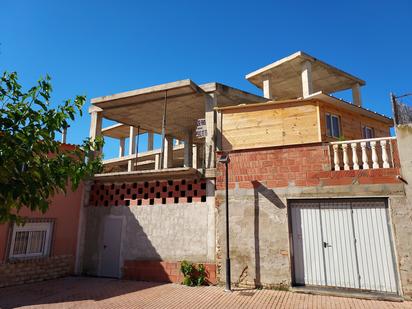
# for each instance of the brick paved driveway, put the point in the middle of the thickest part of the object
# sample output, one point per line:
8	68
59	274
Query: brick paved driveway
78	292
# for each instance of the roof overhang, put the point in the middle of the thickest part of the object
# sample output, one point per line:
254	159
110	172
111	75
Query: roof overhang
144	107
229	96
319	96
285	77
120	131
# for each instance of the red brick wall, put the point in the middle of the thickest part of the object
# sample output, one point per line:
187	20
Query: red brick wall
161	271
301	166
148	193
33	270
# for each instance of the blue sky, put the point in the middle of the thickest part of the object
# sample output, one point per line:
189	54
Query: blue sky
100	47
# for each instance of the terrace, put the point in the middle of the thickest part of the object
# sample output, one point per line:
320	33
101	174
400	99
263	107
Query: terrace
170	112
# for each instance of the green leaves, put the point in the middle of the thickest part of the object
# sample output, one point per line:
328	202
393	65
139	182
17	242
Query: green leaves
33	165
193	276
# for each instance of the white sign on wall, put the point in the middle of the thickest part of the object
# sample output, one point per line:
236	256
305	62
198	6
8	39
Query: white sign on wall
201	130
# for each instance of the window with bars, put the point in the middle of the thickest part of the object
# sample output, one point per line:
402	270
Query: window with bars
31	240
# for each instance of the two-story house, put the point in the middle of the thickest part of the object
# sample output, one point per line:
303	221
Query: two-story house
315	193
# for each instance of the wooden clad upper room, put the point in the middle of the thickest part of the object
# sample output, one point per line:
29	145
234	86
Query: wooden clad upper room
317	119
300	75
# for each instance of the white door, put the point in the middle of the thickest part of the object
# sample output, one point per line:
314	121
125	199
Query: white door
339	244
110	251
307	244
343	243
374	247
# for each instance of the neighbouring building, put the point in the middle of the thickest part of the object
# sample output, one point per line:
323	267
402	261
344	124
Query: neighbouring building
317	192
45	247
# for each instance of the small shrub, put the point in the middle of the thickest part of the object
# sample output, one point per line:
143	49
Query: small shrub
191	275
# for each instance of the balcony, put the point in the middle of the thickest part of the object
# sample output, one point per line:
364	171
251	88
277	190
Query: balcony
373	153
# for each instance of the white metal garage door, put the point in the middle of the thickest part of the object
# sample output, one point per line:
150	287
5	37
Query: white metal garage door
343	243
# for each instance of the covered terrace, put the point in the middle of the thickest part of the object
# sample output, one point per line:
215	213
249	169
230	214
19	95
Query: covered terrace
170	111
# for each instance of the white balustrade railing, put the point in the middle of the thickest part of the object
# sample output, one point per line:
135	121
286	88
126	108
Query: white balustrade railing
363	150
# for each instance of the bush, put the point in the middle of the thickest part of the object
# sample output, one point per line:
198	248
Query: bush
193	276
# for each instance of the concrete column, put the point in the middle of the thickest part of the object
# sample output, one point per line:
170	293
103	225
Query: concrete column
157	161
195	156
168	154
210	116
150	139
64	135
132	147
219	133
267	92
188	151
356	95
95	124
307	87
121	147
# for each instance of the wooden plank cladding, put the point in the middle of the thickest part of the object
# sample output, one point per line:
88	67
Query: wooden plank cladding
271	125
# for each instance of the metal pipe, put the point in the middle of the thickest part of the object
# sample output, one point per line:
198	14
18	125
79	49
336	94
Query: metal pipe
162	152
228	283
137	145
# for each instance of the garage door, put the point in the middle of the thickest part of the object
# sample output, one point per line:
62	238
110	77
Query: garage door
343	243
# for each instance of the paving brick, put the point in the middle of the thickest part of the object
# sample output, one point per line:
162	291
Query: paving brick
81	292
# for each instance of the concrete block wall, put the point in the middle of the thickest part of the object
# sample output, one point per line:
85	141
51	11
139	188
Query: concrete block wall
167	232
148	192
261	182
34	270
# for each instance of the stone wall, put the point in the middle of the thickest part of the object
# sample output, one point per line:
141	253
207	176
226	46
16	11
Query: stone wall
261	183
402	210
34	270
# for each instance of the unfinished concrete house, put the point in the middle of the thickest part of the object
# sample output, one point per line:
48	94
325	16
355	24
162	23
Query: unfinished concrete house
315	187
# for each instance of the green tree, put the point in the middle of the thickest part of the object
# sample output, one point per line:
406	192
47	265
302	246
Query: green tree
33	165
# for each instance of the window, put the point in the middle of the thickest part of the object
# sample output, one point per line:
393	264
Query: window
31	240
368	132
333	125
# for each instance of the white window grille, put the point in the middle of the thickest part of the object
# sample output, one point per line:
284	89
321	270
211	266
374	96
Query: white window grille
31	240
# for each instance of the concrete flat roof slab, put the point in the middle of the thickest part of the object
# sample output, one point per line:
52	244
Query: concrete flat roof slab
285	76
119	131
168	173
144	107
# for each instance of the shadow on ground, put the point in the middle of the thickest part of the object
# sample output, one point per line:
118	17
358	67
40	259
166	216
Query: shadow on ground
69	289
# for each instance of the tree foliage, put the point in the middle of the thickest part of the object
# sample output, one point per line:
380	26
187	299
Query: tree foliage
33	165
